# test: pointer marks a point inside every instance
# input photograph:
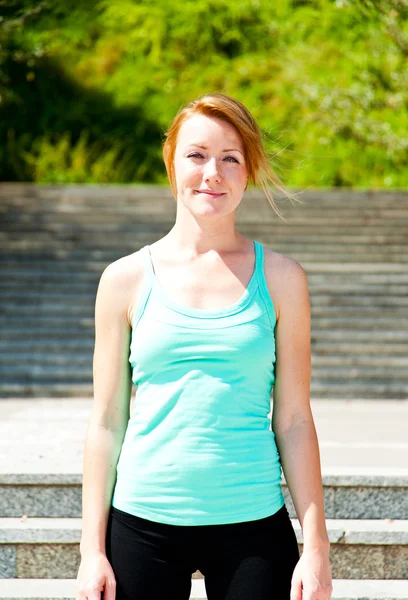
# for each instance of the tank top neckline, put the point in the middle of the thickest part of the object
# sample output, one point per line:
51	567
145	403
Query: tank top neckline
232	309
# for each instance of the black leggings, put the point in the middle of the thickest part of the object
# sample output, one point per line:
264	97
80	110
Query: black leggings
252	560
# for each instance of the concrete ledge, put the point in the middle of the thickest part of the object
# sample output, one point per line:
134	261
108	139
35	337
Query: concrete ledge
347	496
369	479
64	589
341	531
49	548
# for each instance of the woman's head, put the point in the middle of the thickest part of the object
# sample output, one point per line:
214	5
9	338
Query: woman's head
220	107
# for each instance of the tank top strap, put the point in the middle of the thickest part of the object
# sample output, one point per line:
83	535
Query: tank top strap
262	283
147	285
149	271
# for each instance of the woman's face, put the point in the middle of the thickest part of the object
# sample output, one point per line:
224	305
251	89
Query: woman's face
210	170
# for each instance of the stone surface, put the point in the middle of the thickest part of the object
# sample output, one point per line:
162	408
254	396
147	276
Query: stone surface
45	561
341	531
48	548
40	500
369	502
396	563
37	589
369	590
39	531
7	561
53	432
64	589
357	562
362	500
380	532
358	438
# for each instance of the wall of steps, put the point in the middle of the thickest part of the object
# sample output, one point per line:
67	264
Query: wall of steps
40	528
55	242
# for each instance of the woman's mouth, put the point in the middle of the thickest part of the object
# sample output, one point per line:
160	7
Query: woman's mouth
210	193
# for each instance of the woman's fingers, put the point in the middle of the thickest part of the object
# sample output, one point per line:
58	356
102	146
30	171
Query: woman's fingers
110	590
296	589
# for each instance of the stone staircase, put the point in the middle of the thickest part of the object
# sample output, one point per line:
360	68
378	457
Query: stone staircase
55	242
39	553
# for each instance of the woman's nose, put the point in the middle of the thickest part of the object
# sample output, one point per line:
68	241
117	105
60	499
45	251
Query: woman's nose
211	170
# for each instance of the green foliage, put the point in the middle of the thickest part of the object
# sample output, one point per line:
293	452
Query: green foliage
87	90
62	161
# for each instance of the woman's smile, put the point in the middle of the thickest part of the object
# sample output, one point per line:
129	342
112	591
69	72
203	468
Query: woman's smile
209	192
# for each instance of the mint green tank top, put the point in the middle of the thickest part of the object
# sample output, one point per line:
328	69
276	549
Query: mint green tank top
199	448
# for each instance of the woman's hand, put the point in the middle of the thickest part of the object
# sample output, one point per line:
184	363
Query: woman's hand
95	575
311	579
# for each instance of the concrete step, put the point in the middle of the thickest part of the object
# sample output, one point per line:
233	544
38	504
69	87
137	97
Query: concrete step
49	548
336	196
63	367
331	323
143	213
307	253
12	388
60	207
30	299
85	328
331	347
88	241
370	353
64	589
63	370
364	250
362	373
376	207
359	389
352	382
367	304
58	245
341	276
136	227
346	496
53	344
81	360
159	205
360	361
77	385
101	256
74	259
80	356
339	294
332	214
378	212
86	308
88	212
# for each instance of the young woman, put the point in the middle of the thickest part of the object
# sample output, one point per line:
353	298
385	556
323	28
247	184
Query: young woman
206	322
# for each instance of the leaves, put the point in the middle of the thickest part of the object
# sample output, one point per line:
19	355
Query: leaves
86	91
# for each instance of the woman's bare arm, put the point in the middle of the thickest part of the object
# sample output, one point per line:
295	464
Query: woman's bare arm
110	410
107	423
292	419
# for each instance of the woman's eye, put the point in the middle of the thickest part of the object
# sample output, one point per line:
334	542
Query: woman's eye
198	155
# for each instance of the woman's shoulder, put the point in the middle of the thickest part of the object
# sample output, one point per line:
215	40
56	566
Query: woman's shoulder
124	277
274	261
285	277
130	265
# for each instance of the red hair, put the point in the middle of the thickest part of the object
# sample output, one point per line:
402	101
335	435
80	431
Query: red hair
223	107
